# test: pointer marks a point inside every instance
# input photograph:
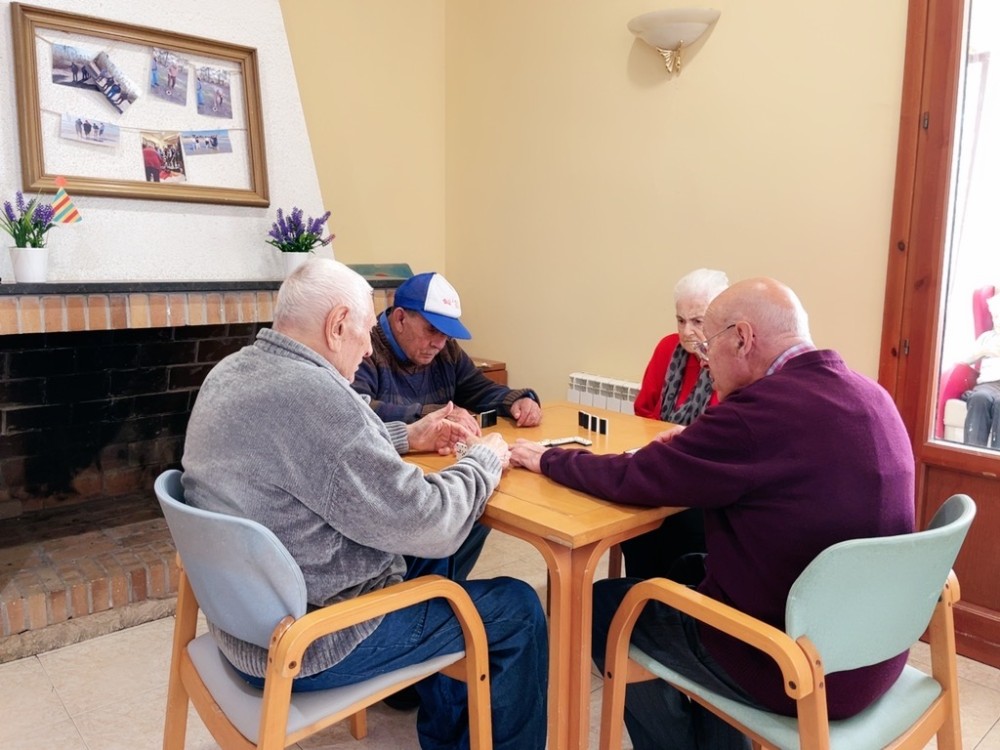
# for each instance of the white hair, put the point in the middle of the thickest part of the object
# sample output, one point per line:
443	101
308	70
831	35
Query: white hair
702	283
315	288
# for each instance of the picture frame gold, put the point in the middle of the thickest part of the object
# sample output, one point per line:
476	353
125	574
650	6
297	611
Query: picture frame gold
31	23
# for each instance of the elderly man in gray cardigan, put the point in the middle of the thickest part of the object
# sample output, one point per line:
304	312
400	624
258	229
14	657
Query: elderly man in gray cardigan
278	435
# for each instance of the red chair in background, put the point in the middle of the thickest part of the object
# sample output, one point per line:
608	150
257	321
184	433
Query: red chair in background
961	377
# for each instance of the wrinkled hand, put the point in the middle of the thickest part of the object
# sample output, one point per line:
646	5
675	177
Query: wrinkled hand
465	418
669	434
436	432
527	455
495	442
526	412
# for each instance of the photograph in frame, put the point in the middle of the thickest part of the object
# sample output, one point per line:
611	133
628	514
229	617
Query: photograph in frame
71	67
162	157
89	130
206	142
213	93
117	88
168	76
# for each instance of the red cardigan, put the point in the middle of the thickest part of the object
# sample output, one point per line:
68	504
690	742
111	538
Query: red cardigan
648	403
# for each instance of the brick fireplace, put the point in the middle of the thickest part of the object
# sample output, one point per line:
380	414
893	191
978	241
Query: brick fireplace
96	386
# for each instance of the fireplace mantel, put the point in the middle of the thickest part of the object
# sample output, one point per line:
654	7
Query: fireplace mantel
61	307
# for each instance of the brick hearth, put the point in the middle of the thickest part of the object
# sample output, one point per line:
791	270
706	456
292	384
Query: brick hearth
73	573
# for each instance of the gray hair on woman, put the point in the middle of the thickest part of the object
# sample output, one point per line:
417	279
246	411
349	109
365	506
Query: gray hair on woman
315	288
702	283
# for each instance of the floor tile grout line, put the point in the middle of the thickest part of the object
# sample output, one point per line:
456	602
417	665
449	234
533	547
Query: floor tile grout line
52	685
995	727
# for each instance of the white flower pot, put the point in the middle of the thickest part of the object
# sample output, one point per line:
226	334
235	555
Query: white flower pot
291	261
31	264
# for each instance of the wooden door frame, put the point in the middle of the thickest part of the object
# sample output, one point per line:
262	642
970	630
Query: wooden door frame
910	322
911	325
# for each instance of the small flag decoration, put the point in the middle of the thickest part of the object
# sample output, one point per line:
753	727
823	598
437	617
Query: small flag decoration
63	209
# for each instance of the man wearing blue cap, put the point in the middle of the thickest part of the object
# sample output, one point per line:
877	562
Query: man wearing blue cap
416	367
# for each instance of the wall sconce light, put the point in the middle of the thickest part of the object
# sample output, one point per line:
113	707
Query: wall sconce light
670	31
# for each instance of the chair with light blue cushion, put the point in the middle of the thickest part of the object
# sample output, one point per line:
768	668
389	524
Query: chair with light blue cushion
858	603
247	584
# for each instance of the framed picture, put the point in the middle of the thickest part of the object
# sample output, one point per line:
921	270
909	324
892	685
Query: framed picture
146	86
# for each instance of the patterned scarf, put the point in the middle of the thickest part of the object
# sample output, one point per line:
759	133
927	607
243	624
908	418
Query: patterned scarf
696	402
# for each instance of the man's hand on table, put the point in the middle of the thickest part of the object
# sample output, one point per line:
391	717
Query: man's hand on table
439	433
526	412
495	442
527	455
669	434
463	417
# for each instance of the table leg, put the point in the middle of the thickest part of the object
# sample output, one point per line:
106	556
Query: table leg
559	561
561	655
571	578
585	561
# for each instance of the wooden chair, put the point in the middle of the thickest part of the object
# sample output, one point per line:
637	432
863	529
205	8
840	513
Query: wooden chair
858	603
248	584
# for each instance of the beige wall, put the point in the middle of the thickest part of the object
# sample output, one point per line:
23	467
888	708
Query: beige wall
371	78
582	180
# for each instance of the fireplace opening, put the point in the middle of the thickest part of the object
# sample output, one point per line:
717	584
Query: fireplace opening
87	421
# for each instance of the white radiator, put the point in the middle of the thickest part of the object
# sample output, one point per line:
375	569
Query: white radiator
604	393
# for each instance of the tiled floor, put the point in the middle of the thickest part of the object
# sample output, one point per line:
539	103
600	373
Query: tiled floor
108	693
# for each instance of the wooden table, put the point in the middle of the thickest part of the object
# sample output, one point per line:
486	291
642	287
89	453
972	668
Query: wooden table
571	530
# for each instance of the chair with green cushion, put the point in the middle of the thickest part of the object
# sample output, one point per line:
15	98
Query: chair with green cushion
858	603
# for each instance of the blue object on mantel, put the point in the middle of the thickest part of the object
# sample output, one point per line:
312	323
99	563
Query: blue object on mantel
379	275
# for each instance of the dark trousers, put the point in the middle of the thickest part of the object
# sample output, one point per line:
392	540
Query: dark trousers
658	715
982	420
655	553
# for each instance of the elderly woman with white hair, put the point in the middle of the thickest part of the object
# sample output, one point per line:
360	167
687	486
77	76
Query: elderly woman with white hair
677	389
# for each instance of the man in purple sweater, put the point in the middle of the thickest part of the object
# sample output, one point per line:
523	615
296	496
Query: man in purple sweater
800	453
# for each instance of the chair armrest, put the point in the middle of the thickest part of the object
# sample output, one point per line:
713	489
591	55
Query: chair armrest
786	653
290	641
291	638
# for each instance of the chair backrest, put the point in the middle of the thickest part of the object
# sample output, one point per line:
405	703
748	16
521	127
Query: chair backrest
866	600
244	578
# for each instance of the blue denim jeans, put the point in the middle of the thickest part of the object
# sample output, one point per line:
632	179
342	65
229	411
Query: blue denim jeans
518	656
658	715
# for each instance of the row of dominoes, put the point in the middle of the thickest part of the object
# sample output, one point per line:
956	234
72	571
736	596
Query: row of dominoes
593	423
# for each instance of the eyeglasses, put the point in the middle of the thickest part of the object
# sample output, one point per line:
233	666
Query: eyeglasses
702	346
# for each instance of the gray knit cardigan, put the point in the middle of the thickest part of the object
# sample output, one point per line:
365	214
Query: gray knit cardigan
279	436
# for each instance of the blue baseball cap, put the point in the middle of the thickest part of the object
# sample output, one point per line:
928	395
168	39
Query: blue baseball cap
432	296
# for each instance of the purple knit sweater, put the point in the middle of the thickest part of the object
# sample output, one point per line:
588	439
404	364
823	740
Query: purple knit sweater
797	461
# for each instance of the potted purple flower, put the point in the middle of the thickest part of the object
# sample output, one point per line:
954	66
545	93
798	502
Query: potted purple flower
295	237
27	223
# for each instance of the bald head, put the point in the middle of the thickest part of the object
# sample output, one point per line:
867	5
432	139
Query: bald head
766	317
